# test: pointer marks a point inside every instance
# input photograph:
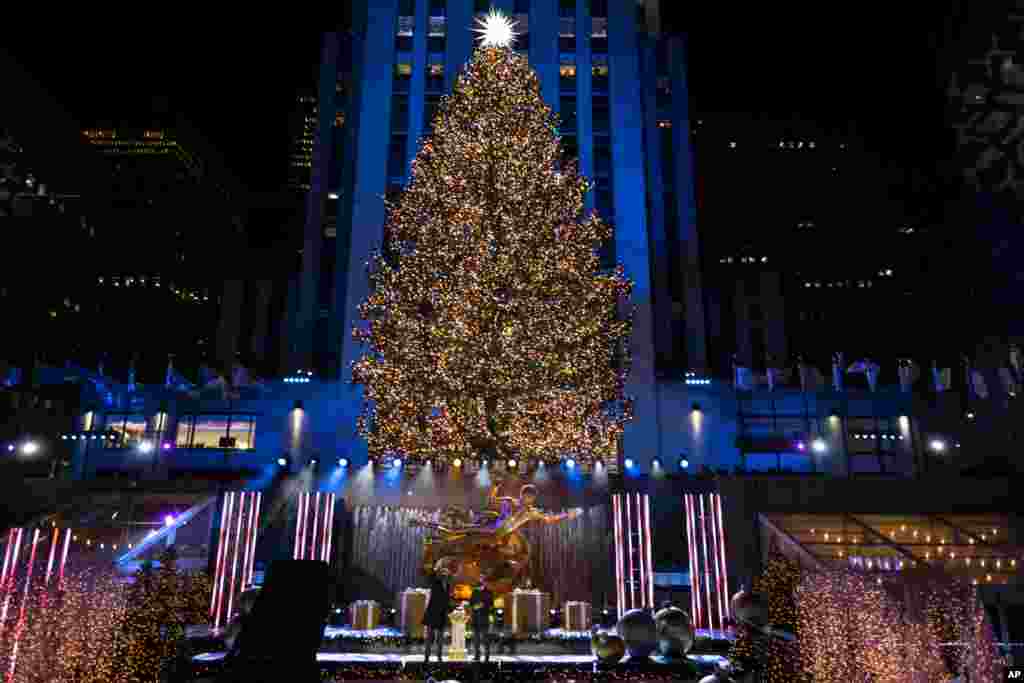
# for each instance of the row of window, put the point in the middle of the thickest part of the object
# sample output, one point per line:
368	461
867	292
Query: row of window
193	431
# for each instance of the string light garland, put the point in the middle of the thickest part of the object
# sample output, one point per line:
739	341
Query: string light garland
489	324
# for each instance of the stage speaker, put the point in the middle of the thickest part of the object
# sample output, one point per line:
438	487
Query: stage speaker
286	626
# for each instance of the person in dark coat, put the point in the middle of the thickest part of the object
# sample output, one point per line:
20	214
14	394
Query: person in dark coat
439	604
481	603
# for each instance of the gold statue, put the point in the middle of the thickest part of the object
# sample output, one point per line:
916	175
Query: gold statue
489	547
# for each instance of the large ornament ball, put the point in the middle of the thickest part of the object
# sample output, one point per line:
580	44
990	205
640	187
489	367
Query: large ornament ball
608	648
750	608
638	629
675	632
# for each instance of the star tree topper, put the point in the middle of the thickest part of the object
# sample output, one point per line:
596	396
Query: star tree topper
495	30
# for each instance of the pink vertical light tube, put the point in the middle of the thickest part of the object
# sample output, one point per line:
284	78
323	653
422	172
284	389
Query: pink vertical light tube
316	527
629	549
694	609
19	627
645	568
616	521
64	557
721	545
223	565
255	535
696	569
240	514
322	555
707	579
53	552
250	539
713	532
638	525
7	557
220	554
299	536
650	552
328	527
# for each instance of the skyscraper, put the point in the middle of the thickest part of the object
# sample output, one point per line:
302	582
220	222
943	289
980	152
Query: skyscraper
302	131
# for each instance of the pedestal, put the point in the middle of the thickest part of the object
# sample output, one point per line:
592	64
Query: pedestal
413	602
365	615
576	616
530	611
457	650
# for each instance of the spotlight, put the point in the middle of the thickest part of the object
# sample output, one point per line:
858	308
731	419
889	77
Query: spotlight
313	461
29	448
695	407
683	463
146	447
801	446
970	415
63	437
570	463
396	463
834	415
512	464
10	447
656	463
819	445
457	462
169	520
629	463
167	445
343	462
283	461
937	445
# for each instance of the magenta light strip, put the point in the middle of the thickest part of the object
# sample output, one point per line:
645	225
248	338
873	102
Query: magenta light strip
721	545
298	527
707	564
620	593
322	555
300	537
650	552
240	514
316	527
255	535
637	528
695	566
249	540
694	586
7	557
629	548
24	603
330	533
53	552
222	572
64	557
220	555
9	584
642	559
719	603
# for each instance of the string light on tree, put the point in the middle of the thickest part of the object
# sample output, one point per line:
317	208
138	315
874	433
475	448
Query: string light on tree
491	330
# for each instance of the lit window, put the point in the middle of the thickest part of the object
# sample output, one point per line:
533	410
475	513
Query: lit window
435	70
129	429
403	69
599	27
600	70
217	431
567	71
339	119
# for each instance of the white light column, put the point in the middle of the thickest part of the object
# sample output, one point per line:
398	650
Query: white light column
634	569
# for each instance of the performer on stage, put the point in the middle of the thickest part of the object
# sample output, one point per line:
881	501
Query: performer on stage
439	604
482	602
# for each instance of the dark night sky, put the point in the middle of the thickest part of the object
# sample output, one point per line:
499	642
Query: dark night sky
236	82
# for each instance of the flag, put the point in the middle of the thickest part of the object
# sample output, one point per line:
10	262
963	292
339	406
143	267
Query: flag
837	371
872	374
744	378
941	378
909	373
240	376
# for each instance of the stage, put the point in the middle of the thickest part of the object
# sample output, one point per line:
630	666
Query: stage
340	666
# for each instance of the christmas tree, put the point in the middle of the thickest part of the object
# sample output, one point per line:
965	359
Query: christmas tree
491	328
778	660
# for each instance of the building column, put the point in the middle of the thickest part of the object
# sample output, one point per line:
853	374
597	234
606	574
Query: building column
544	49
458	41
741	310
584	91
662	294
417	84
228	329
313	230
643	435
686	227
368	214
260	310
773	305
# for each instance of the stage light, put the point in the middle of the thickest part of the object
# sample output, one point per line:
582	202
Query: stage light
29	448
695	407
169	520
970	415
63	437
167	445
512	464
683	463
396	463
457	462
343	462
937	445
801	446
819	446
313	461
833	415
629	463
282	461
146	447
570	463
10	447
656	463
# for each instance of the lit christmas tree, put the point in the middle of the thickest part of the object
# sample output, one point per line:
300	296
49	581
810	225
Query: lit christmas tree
491	328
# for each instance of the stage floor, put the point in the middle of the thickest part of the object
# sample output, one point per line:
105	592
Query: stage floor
208	658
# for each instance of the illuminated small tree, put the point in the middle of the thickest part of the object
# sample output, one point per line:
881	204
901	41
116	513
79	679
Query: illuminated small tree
491	328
